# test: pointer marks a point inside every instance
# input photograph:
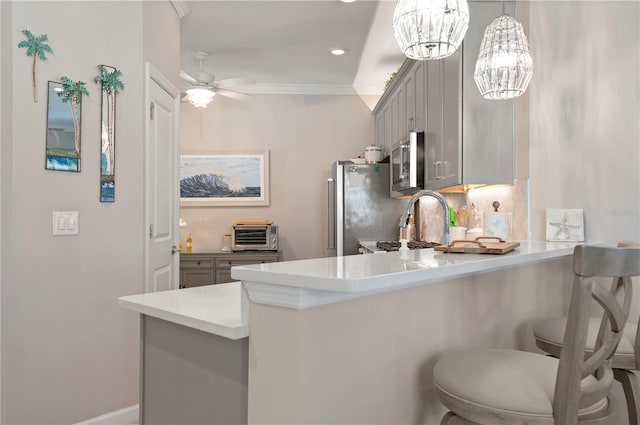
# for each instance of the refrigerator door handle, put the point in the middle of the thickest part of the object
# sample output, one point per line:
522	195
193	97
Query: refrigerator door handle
330	242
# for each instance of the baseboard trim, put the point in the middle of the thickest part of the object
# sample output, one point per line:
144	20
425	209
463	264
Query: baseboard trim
123	416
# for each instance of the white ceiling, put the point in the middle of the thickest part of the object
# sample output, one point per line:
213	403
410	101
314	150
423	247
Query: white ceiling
285	45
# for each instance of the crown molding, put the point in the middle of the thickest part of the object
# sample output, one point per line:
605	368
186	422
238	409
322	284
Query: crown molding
182	7
326	89
320	89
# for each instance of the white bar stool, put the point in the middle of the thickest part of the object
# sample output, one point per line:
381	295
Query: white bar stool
495	386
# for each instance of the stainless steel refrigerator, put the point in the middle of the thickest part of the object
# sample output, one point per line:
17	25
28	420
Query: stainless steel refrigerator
360	207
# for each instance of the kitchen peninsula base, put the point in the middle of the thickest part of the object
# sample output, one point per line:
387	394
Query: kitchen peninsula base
369	359
194	355
190	376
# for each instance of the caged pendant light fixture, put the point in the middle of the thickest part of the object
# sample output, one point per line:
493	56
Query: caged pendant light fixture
504	67
430	29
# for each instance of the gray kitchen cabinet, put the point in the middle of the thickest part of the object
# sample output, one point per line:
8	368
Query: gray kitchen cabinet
391	128
414	99
225	262
468	140
400	125
443	141
397	109
380	133
197	269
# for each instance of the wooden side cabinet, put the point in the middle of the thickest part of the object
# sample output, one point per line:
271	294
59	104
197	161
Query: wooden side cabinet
197	269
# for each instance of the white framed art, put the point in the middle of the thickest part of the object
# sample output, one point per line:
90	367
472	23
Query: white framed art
565	225
226	179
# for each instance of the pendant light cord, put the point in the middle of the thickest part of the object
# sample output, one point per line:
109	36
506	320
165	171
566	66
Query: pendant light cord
503	8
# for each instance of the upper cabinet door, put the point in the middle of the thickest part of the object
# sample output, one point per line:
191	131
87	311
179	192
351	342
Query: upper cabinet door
433	134
418	75
380	132
451	126
387	112
489	139
409	104
400	124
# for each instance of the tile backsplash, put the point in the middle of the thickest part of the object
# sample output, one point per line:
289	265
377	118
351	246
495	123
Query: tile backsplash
513	198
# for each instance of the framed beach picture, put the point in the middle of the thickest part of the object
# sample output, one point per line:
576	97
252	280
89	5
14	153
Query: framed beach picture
222	180
63	131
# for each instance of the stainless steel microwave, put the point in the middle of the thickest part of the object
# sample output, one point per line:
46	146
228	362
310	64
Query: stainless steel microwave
254	237
407	165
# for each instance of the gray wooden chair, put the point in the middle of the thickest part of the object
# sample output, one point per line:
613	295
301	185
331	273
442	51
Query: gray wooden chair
549	335
496	386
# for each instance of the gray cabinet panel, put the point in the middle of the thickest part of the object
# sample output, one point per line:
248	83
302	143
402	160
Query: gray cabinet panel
433	135
213	268
488	125
191	377
451	174
419	115
192	277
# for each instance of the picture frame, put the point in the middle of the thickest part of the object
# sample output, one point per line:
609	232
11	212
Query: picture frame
565	225
224	179
63	139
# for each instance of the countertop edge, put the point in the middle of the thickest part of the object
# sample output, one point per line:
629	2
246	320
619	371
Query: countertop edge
212	326
277	287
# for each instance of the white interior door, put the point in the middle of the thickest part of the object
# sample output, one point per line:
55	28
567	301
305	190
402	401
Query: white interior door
161	182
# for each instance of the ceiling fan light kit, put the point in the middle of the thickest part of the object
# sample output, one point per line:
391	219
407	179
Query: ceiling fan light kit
504	67
430	29
200	97
202	87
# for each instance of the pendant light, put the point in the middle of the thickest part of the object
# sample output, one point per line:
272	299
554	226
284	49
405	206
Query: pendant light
430	29
504	67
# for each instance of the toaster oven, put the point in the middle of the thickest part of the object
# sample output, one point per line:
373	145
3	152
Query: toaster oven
254	237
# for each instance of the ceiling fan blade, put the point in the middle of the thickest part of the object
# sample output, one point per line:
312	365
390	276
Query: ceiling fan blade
233	94
240	81
188	78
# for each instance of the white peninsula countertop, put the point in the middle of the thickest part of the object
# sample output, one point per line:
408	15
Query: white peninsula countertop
215	309
223	309
308	283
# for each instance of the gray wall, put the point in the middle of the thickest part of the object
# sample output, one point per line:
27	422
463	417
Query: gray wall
585	109
305	135
69	352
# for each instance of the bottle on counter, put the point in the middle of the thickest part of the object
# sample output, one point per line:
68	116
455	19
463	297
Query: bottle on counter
226	243
189	241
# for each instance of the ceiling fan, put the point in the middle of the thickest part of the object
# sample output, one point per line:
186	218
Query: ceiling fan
202	87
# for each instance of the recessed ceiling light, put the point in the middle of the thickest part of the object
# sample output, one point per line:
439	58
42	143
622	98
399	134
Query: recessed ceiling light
338	52
347	1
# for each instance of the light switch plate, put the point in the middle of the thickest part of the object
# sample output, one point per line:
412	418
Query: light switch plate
65	223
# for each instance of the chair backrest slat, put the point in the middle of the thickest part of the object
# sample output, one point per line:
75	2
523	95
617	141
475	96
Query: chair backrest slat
571	392
601	261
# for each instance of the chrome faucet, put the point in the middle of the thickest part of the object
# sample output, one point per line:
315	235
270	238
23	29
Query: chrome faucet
404	221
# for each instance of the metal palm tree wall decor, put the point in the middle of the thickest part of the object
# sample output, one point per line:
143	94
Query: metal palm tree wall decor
109	79
37	47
